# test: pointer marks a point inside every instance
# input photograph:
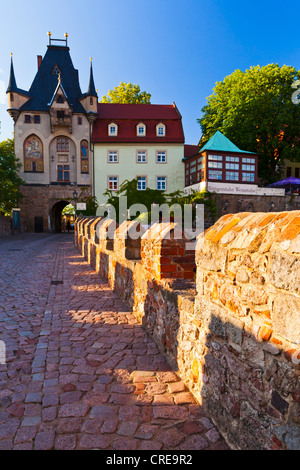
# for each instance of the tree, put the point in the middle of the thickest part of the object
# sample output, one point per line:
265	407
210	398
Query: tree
254	109
127	93
10	181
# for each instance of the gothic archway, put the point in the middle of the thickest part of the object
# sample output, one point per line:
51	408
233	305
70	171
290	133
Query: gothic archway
55	216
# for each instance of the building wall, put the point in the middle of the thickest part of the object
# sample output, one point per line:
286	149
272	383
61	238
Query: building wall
128	168
292	167
43	132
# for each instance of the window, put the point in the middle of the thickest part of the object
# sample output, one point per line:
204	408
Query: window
11	96
141	183
248	177
60	114
161	183
113	157
161	157
248	167
160	130
248	160
232	176
113	183
27	119
37	119
60	99
232	166
141	130
215	164
215	174
297	172
288	171
112	130
62	144
79	120
232	159
63	173
141	157
215	157
84	156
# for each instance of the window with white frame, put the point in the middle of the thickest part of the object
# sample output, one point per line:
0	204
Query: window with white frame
141	130
113	183
232	166
161	156
160	130
248	177
215	157
112	129
141	156
215	174
232	159
215	164
232	176
113	156
161	183
141	183
248	167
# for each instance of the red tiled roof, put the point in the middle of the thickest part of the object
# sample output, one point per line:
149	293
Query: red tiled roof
127	116
191	150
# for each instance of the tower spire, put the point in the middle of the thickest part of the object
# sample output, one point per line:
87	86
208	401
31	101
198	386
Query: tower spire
12	85
91	90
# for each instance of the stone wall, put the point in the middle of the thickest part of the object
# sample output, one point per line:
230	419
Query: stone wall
5	226
231	327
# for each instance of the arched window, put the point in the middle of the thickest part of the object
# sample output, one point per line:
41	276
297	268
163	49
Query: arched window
84	156
33	154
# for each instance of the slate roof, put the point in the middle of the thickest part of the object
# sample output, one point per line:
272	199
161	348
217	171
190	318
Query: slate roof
12	85
45	81
128	116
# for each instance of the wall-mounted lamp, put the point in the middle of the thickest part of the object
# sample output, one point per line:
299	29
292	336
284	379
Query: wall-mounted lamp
226	204
272	205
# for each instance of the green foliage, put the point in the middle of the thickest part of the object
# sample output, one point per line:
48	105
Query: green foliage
126	93
68	210
254	109
10	194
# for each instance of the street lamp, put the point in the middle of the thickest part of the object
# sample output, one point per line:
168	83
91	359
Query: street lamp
75	194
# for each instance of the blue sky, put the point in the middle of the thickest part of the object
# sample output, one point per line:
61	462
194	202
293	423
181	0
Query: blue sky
175	50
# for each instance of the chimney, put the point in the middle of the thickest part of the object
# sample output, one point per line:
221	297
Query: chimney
39	60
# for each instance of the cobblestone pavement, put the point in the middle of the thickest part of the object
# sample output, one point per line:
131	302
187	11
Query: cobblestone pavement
80	372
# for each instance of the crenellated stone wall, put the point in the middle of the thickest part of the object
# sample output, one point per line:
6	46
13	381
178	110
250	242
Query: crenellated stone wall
226	316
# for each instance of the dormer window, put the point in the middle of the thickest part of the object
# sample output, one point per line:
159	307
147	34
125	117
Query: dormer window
141	130
113	129
60	99
56	70
160	130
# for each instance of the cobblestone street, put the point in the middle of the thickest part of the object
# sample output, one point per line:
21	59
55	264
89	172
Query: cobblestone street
80	371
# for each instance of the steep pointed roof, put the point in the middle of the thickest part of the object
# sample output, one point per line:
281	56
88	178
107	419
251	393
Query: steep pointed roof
12	84
59	86
221	143
45	81
91	90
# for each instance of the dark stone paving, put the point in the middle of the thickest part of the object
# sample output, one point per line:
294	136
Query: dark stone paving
80	372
